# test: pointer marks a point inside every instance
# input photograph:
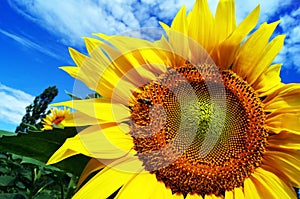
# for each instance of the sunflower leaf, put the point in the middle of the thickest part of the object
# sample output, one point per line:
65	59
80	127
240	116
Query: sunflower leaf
41	145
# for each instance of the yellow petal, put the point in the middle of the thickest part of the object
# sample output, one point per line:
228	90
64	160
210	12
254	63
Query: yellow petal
251	189
202	25
269	185
266	58
92	166
225	18
193	196
268	81
285	119
71	70
178	34
162	191
238	193
229	195
177	196
100	108
92	44
143	185
225	53
212	196
180	21
285	139
132	53
106	142
285	96
252	50
102	185
285	163
80	119
133	60
78	58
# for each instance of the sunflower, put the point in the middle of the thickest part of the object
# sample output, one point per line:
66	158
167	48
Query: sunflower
200	113
55	118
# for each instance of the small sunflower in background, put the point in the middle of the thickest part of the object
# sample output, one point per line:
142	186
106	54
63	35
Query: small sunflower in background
55	118
201	113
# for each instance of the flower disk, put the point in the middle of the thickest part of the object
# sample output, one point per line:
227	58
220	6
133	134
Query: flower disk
181	160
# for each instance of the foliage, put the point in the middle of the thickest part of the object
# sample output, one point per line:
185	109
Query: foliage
26	176
89	96
36	111
41	145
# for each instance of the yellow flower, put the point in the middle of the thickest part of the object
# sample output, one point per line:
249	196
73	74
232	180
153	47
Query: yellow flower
199	114
55	119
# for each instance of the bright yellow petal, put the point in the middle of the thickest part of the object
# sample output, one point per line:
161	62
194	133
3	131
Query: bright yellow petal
102	185
267	57
193	196
180	22
229	194
100	108
78	58
252	51
225	53
134	53
269	185
80	119
251	189
71	70
285	119
285	139
286	96
238	193
178	34
212	196
143	185
285	162
134	63
92	44
162	191
92	166
71	147
177	196
107	142
225	19
268	81
202	25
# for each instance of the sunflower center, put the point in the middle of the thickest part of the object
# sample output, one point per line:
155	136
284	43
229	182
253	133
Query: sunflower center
58	120
184	138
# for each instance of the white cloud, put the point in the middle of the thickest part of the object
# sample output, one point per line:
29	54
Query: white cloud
267	8
70	20
13	104
76	18
73	19
28	43
290	54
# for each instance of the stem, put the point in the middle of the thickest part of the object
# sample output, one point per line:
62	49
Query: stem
43	187
70	189
62	194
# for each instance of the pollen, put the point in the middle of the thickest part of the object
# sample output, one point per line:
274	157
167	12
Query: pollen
201	156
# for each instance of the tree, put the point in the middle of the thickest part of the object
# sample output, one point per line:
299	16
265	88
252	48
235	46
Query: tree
38	110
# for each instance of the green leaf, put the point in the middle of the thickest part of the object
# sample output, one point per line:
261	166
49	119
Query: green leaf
41	145
12	196
6	180
6	133
74	97
44	196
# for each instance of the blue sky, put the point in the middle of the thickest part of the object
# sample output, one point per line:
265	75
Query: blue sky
35	36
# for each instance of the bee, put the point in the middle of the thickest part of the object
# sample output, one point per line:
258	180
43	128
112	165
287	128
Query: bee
145	101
